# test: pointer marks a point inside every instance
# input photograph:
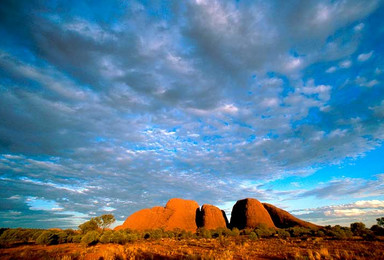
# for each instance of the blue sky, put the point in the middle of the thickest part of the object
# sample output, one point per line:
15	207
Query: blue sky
121	105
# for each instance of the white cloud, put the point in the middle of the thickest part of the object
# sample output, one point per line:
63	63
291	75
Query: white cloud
359	27
345	64
364	56
331	69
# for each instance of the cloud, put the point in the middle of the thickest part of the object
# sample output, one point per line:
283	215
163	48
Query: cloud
364	210
364	56
354	187
127	105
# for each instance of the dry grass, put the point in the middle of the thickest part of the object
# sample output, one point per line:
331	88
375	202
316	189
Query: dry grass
227	248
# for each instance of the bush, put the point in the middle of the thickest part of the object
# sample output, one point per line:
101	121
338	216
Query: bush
47	238
118	237
204	233
106	237
299	231
253	236
262	230
91	238
75	238
62	237
283	233
339	232
358	228
377	230
235	232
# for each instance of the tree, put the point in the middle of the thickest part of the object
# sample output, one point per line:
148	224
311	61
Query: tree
380	221
90	225
104	221
358	228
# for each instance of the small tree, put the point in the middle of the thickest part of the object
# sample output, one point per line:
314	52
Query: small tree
358	228
380	221
90	225
104	221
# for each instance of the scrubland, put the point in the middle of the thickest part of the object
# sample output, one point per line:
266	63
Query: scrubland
335	242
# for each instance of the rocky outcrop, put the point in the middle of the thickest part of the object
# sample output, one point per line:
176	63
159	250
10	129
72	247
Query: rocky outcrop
211	217
177	213
186	215
249	213
183	214
283	219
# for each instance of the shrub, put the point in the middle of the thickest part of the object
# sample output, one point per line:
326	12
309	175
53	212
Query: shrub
91	238
377	230
262	230
380	222
299	231
253	236
204	233
235	232
340	232
358	228
106	237
62	237
118	237
283	233
90	225
76	238
47	238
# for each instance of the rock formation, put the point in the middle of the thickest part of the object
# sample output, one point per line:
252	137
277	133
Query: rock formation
186	214
178	213
249	213
283	219
211	217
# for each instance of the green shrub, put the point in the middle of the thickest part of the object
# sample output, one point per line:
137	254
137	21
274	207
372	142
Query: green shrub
263	231
36	234
235	232
118	237
299	231
91	238
253	236
47	238
204	233
246	231
340	232
75	238
283	233
106	237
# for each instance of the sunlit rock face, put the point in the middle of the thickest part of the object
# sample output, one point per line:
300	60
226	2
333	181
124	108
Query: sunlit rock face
177	214
283	219
211	217
250	213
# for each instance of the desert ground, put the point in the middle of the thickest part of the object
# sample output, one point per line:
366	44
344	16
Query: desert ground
219	248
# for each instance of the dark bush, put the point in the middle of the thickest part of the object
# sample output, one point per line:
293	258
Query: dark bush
299	231
75	238
283	233
377	230
358	228
47	238
91	238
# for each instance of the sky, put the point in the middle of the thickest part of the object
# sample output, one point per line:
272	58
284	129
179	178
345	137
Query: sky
108	107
